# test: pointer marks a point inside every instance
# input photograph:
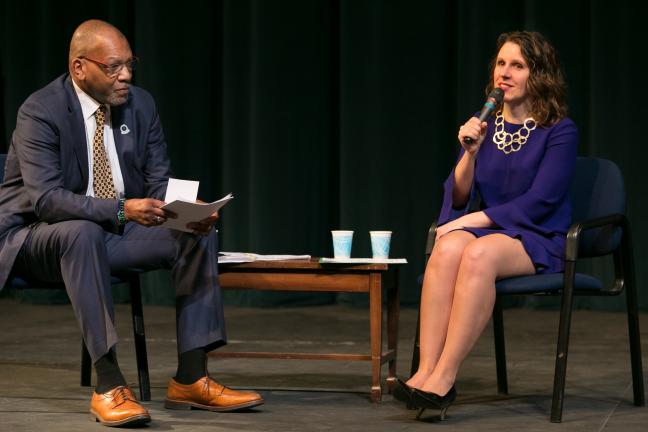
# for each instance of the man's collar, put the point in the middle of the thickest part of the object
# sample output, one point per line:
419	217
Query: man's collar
88	104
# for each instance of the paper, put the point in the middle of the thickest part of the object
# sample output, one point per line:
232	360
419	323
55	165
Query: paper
363	261
183	190
191	212
239	257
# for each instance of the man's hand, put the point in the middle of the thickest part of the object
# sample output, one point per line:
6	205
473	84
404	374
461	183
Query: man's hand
204	226
145	211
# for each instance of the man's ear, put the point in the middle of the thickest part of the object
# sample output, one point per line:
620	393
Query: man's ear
77	69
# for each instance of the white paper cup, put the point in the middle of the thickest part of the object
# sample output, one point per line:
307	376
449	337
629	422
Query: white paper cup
380	241
342	241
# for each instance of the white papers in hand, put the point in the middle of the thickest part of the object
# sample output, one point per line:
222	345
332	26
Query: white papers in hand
187	212
183	190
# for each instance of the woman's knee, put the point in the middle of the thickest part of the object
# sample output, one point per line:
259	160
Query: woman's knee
476	259
446	249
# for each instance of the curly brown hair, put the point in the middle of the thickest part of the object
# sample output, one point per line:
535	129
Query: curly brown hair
546	84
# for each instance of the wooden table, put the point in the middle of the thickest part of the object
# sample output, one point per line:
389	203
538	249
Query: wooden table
311	276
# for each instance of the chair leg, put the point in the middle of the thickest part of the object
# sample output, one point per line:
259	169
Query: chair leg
86	366
635	350
140	338
500	347
563	344
633	323
416	348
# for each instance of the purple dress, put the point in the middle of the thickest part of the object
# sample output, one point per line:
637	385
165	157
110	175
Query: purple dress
526	192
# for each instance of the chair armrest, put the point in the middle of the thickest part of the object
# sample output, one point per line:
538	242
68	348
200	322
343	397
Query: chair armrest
431	237
575	230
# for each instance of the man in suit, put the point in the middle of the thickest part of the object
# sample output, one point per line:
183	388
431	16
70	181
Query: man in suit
85	177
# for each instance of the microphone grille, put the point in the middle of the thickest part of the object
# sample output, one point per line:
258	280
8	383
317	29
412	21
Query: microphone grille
497	94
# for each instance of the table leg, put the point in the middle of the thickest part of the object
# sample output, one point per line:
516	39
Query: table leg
375	322
393	310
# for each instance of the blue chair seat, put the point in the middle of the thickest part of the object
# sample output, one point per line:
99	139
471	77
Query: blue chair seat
19	283
546	284
542	284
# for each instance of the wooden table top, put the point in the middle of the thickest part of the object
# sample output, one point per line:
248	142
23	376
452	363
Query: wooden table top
303	264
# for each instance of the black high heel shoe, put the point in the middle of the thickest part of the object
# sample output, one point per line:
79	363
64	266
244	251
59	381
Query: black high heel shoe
428	400
403	393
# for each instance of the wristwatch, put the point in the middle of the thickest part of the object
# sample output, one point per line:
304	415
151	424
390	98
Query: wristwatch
121	215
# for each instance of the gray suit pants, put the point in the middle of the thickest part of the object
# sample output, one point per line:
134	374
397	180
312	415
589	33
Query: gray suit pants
82	255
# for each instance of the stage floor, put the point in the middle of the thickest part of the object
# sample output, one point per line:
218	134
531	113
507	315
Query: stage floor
40	356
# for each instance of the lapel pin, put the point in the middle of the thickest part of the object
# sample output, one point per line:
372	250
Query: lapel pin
124	129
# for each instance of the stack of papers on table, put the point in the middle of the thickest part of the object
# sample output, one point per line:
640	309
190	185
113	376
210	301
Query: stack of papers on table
363	261
240	257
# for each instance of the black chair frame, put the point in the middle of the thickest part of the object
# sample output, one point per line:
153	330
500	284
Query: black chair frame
137	313
624	280
133	281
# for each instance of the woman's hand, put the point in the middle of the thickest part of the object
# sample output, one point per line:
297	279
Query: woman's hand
471	220
475	130
446	228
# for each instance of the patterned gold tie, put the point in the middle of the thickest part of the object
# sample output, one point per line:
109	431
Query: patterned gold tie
102	180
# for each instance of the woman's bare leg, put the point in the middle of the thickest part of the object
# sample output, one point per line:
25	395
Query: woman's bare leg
436	300
483	261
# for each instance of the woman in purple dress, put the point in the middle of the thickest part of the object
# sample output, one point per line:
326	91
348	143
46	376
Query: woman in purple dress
520	162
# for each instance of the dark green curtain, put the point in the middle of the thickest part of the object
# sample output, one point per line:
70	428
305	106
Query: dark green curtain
321	114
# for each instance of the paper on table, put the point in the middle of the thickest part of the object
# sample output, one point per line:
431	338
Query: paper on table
363	260
238	257
191	212
183	190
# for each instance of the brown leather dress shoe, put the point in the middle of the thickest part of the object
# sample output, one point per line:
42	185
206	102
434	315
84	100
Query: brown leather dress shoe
118	407
207	394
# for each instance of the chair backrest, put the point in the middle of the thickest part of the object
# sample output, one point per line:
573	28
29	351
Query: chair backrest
597	190
3	158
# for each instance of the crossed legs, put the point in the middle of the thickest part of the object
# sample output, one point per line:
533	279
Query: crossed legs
457	300
82	255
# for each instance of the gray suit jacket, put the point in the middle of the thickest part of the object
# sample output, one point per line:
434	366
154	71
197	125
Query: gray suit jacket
46	174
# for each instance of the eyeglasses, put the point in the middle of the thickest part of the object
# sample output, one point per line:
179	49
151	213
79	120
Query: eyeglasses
113	70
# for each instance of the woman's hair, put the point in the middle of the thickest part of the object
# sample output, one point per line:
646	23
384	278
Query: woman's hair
546	84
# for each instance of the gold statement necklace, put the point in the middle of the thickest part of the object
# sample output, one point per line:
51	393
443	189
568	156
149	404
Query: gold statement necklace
512	142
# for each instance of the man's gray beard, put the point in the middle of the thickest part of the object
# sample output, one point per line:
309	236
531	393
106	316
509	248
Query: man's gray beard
116	100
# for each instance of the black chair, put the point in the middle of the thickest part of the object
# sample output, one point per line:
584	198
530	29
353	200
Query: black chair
133	280
600	228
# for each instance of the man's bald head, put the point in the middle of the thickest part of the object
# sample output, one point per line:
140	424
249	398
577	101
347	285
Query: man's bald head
90	35
101	62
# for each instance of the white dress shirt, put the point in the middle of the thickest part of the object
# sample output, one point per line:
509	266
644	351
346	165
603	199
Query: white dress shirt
89	107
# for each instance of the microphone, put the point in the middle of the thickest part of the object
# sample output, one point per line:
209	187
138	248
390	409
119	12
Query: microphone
494	98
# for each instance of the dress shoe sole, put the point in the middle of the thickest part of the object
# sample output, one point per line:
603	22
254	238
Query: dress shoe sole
185	405
135	420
